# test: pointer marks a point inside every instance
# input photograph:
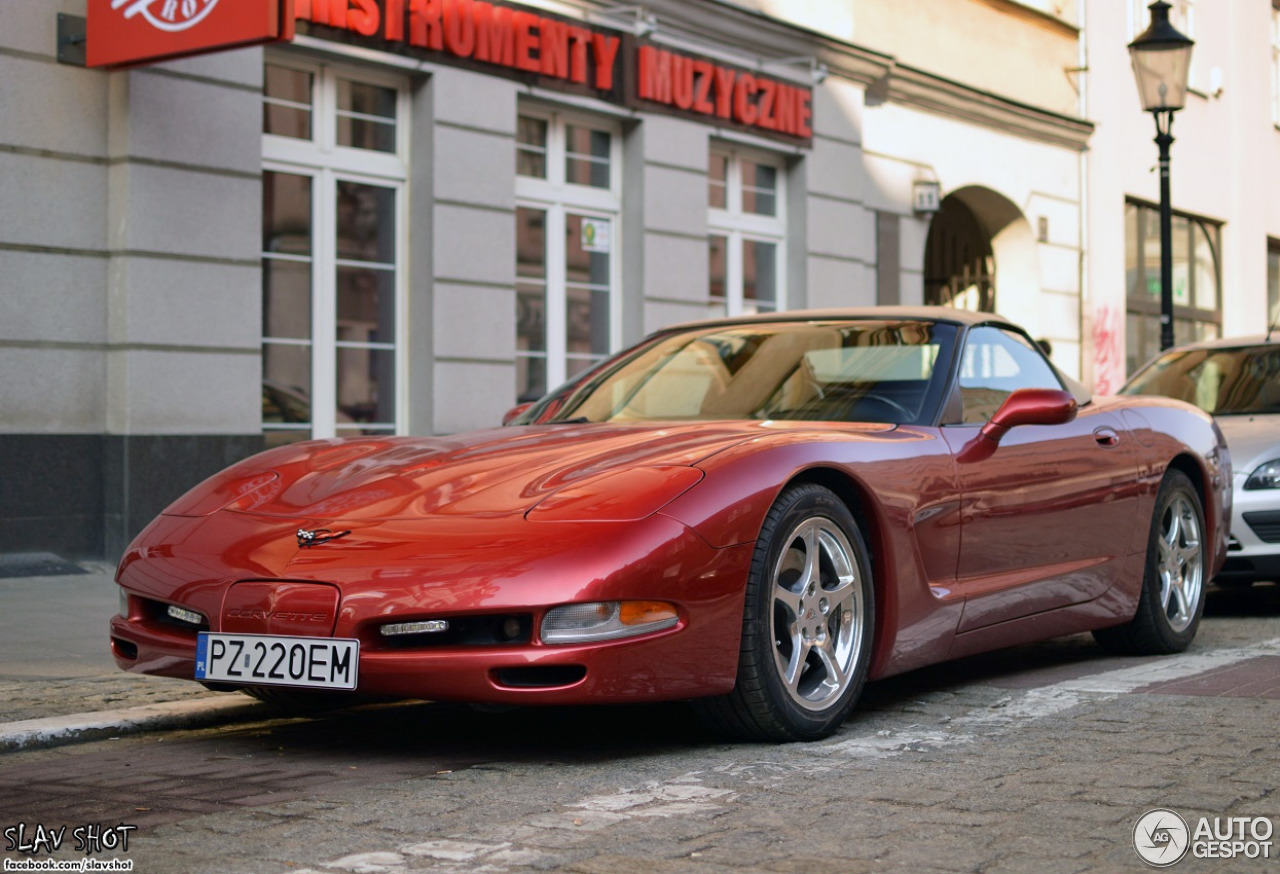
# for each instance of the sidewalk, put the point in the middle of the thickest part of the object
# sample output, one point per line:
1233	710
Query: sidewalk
58	680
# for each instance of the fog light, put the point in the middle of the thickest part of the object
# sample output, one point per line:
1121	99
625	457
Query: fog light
190	617
606	620
428	626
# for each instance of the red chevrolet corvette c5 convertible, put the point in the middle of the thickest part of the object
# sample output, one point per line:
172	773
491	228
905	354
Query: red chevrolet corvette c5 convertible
760	514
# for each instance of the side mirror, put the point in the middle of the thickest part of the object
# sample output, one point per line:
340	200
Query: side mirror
515	411
1031	406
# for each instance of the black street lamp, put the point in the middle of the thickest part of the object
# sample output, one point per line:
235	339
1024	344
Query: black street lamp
1161	60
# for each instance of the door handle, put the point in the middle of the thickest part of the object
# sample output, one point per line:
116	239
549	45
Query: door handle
1106	437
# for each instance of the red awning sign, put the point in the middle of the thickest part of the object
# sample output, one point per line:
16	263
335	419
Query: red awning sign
124	32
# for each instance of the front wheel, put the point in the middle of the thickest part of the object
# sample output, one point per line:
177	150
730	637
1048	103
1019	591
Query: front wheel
807	623
1172	597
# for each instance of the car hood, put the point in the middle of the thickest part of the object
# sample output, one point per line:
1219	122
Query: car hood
498	472
1252	439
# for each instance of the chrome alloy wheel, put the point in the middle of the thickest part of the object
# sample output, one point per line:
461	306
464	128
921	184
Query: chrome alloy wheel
1171	598
818	619
1180	562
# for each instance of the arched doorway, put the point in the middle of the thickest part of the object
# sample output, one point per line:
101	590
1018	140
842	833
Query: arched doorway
959	266
980	253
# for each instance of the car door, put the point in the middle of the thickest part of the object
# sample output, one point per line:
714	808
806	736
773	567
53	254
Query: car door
1047	518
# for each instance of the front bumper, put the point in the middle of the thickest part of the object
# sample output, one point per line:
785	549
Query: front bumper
446	578
1254	551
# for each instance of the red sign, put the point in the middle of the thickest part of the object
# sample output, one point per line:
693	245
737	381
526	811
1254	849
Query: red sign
552	51
473	30
123	32
537	47
701	86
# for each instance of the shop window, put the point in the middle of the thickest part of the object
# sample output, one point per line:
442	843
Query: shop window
287	102
568	199
531	147
333	189
587	156
1197	276
1273	283
747	231
366	116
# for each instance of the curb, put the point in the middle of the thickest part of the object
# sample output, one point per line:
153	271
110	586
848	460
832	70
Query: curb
58	730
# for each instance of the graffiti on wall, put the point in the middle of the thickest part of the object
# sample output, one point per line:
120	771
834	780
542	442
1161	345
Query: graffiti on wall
1108	345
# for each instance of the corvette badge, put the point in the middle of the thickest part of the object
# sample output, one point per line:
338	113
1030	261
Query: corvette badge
318	536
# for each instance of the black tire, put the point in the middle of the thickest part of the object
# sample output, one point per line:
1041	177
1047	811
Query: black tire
1172	598
807	627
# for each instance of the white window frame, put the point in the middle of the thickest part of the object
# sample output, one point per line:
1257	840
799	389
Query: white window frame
327	163
558	198
738	226
1275	66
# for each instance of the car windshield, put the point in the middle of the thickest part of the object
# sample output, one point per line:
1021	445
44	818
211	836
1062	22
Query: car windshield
1224	382
864	371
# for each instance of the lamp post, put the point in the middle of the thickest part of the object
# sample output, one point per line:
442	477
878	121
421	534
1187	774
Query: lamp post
1161	60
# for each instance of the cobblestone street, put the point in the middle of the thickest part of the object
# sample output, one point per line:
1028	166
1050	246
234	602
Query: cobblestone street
1038	759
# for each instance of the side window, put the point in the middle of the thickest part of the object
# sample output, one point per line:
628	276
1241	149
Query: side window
997	363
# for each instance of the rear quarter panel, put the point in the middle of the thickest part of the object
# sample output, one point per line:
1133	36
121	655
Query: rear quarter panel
1170	433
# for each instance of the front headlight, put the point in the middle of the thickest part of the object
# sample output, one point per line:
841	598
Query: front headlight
1267	476
606	620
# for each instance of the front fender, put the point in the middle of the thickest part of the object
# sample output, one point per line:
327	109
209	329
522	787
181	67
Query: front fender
900	484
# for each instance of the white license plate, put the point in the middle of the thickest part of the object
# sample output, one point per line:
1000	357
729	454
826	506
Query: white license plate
276	660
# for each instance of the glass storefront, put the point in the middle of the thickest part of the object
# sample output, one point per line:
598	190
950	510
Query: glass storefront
747	228
332	262
568	195
1197	272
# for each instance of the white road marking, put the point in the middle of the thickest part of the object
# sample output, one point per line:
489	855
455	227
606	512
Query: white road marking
1170	668
656	798
368	863
1046	701
453	851
886	744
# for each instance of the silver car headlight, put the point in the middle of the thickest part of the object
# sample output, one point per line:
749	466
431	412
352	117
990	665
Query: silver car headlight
1267	476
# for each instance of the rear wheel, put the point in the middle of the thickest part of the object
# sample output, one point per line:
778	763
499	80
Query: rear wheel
807	623
1172	597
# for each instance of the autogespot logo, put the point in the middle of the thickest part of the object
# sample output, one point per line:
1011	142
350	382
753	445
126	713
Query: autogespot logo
1161	838
169	15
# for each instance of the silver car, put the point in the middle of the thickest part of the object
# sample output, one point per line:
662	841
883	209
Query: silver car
1237	381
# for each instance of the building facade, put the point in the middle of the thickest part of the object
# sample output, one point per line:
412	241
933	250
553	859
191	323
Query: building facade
1226	224
413	216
